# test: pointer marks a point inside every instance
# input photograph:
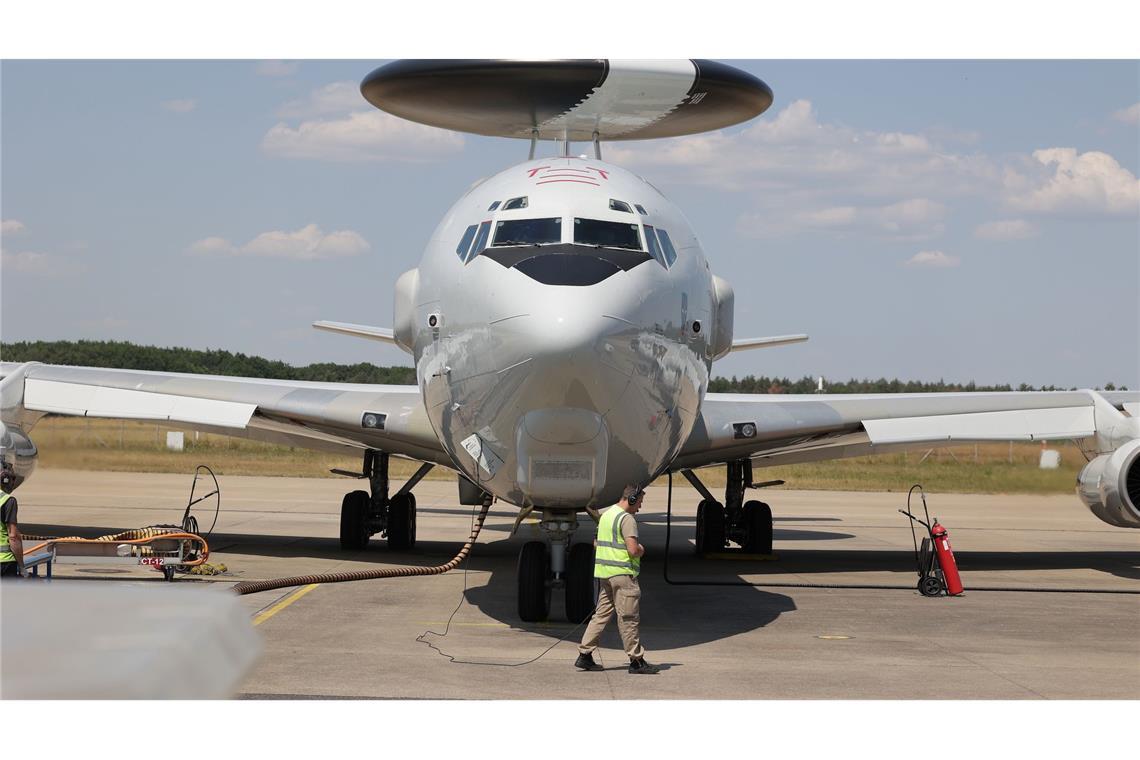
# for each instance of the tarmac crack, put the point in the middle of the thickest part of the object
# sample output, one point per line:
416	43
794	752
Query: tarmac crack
988	669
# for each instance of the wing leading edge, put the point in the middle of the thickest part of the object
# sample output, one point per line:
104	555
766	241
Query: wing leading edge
338	417
786	429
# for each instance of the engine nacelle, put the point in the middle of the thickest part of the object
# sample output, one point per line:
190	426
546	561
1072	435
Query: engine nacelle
1110	486
17	449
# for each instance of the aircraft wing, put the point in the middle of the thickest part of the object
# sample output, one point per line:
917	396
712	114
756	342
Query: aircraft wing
337	417
786	429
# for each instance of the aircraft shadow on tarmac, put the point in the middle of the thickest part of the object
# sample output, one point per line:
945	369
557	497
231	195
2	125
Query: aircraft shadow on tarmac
1121	564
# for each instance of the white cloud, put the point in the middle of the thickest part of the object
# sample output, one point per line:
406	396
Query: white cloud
11	227
39	264
184	105
1064	181
367	136
334	98
276	68
932	260
794	150
1005	229
911	219
1130	115
307	243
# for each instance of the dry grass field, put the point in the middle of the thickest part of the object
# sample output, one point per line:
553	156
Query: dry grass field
113	445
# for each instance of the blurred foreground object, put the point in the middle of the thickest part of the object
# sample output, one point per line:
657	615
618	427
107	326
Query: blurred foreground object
88	640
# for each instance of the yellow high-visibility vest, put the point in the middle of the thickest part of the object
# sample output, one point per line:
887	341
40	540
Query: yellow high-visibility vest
611	556
6	554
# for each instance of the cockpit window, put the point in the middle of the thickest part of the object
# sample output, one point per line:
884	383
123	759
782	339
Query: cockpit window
641	209
607	234
667	247
616	205
515	203
654	246
480	240
465	242
528	231
494	206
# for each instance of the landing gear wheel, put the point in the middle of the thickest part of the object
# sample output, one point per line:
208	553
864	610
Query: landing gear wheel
534	591
757	528
354	520
580	583
710	527
402	522
930	585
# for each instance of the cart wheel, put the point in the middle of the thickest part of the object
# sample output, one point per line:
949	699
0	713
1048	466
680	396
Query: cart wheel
168	573
930	586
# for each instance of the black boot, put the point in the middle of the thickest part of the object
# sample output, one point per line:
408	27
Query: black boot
641	667
586	662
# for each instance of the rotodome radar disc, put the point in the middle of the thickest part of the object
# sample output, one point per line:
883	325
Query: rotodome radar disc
573	99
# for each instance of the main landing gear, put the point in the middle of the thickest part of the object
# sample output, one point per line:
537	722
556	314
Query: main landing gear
556	563
366	513
748	523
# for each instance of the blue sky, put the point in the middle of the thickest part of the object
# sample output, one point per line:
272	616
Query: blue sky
954	219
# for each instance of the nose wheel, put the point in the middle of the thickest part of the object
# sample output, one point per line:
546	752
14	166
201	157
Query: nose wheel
534	582
559	563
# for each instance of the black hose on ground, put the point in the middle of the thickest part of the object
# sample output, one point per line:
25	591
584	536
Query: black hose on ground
255	587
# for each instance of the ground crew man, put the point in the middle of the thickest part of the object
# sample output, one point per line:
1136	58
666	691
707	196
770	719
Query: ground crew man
11	545
617	562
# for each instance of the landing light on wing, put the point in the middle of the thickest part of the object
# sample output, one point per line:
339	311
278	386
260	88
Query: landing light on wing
778	340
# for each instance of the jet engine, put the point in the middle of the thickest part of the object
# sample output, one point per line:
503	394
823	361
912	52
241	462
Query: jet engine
17	450
1110	486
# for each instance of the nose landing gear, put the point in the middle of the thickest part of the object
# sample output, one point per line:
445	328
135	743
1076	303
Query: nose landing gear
556	563
747	523
366	513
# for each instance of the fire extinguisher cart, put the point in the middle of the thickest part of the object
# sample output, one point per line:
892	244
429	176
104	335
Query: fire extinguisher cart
934	559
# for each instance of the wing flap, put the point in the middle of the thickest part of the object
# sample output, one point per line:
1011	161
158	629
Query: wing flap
1014	425
118	403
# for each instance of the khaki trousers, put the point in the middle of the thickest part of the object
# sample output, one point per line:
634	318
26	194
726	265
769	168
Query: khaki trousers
623	593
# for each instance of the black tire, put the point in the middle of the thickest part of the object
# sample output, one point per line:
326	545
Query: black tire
534	591
757	528
354	521
580	583
930	585
710	527
402	522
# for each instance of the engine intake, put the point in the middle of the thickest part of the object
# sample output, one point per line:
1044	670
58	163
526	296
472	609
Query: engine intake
1110	486
17	449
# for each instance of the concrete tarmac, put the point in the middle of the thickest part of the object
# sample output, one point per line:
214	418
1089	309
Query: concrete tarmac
358	640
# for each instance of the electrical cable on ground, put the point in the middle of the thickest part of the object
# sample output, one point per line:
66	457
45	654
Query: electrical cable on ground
447	627
789	584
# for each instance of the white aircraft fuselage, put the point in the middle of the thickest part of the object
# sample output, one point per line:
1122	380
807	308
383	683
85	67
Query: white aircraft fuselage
569	356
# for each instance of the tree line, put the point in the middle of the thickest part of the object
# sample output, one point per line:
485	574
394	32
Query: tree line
124	355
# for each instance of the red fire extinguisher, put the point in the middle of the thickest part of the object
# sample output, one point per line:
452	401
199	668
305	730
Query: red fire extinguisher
946	559
933	581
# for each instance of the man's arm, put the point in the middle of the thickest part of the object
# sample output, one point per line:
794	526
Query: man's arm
16	542
635	549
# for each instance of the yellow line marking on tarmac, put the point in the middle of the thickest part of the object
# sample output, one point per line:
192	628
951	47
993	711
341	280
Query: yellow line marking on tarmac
283	603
